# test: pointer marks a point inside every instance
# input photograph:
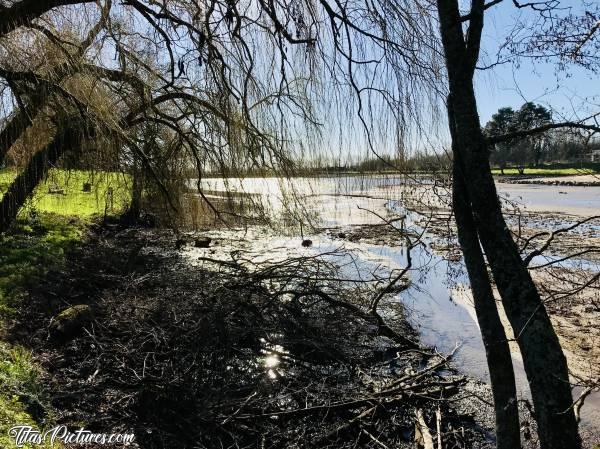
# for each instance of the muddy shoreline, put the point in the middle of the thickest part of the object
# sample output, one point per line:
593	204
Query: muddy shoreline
565	180
573	310
197	331
195	356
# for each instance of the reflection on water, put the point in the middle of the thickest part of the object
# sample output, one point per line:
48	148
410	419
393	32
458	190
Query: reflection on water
271	359
272	362
574	200
440	306
439	302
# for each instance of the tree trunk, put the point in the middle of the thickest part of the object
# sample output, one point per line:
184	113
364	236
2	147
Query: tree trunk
24	116
24	184
543	359
132	215
24	11
12	131
499	361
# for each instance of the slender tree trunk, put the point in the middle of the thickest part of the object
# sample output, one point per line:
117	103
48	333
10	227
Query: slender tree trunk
136	193
502	377
543	359
24	184
132	215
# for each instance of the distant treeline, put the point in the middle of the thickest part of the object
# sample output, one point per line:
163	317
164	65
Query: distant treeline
427	163
419	163
561	145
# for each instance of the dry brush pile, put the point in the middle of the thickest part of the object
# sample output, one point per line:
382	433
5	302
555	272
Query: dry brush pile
226	354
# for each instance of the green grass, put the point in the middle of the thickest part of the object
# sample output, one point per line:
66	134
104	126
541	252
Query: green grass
26	253
555	169
547	171
19	385
73	201
47	226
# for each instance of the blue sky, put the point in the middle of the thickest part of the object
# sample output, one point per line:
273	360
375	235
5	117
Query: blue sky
571	95
568	94
512	87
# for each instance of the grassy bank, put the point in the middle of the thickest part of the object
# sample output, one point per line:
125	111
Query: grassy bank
20	392
552	170
52	222
32	247
62	192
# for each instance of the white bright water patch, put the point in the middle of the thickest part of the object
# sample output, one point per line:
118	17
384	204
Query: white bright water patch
272	361
575	200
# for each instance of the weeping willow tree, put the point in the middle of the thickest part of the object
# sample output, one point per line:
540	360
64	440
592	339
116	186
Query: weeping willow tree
242	88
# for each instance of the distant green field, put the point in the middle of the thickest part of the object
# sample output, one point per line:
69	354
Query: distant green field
547	171
69	199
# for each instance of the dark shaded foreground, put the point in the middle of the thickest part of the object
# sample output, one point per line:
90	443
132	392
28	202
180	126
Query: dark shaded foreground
187	357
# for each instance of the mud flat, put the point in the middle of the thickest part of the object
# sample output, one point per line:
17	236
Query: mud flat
439	304
566	273
205	346
573	180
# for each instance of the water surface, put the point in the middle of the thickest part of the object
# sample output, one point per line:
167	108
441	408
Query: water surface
439	303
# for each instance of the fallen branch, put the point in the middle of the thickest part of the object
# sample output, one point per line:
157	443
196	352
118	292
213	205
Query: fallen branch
422	434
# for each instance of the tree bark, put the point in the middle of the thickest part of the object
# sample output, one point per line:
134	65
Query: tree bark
499	361
543	359
22	117
24	184
24	11
12	131
133	213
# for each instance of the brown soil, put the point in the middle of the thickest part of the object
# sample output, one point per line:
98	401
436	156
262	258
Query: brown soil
573	180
